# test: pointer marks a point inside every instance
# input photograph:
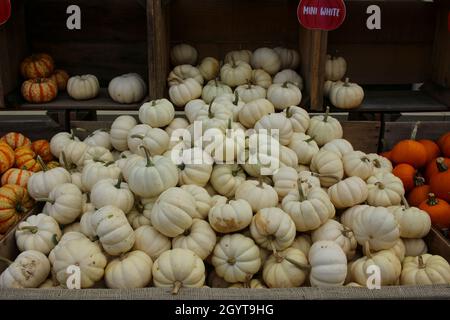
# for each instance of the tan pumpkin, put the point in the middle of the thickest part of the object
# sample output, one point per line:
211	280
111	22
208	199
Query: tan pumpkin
60	77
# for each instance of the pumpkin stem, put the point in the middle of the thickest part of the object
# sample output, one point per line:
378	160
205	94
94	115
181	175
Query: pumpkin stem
366	250
327	113
55	239
233	62
422	265
5	260
346	232
376	163
414	132
249	84
176	287
285	84
440	162
298	264
80	129
277	256
419	181
45	200
147	156
210	112
181	166
138	136
301	193
309	140
153	103
119	181
32	229
176	79
107	164
288	112
229	124
380	185
432	201
236	98
65	162
42	163
346	83
405	202
231	261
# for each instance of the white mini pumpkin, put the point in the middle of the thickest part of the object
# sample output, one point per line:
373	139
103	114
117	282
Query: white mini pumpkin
277	126
289	76
64	203
253	111
83	87
339	146
38	232
99	138
328	264
184	71
329	167
413	222
214	89
356	163
261	78
183	91
113	230
283	95
97	154
238	55
415	247
225	178
203	201
235	73
272	229
346	95
175	124
60	140
209	68
93	172
304	146
285	180
236	258
157	113
119	131
73	154
385	189
127	88
41	183
118	275
334	231
151	241
425	269
199	238
258	194
290	58
299	118
266	59
230	216
348	192
324	128
112	192
183	54
249	92
286	269
303	243
178	268
28	270
335	68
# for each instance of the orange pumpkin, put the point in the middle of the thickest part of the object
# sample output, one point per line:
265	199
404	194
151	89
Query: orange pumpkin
39	90
14	201
420	192
52	164
431	148
410	151
438	209
16	140
42	149
26	159
60	77
387	155
16	176
444	144
440	182
407	174
432	168
6	157
37	66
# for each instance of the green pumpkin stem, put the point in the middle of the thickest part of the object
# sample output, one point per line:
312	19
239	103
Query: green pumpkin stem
45	200
42	163
422	265
32	229
236	98
176	287
405	202
327	113
432	200
347	82
301	193
285	84
366	250
138	136
153	103
119	181
147	156
309	140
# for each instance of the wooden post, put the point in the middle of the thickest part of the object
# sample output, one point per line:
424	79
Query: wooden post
441	50
158	48
313	47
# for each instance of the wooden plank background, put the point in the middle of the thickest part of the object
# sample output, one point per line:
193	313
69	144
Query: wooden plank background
396	131
399	53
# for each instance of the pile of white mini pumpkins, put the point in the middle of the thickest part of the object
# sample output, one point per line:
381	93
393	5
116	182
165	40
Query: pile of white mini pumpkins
128	217
248	74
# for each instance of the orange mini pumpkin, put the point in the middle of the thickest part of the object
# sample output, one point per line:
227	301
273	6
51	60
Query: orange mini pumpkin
420	192
60	77
440	182
444	144
16	176
407	174
42	149
410	151
39	65
39	90
387	155
26	159
431	148
432	168
14	201
438	209
6	157
16	140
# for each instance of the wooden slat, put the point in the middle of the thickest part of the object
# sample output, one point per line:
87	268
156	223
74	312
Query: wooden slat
34	127
362	135
158	52
438	244
396	131
441	49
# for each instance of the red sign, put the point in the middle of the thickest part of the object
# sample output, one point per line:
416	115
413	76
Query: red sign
5	11
321	14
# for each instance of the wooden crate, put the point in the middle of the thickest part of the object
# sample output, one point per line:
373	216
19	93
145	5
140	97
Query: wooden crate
112	41
388	61
215	27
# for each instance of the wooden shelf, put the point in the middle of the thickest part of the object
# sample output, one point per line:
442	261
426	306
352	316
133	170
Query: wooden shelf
397	102
64	102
